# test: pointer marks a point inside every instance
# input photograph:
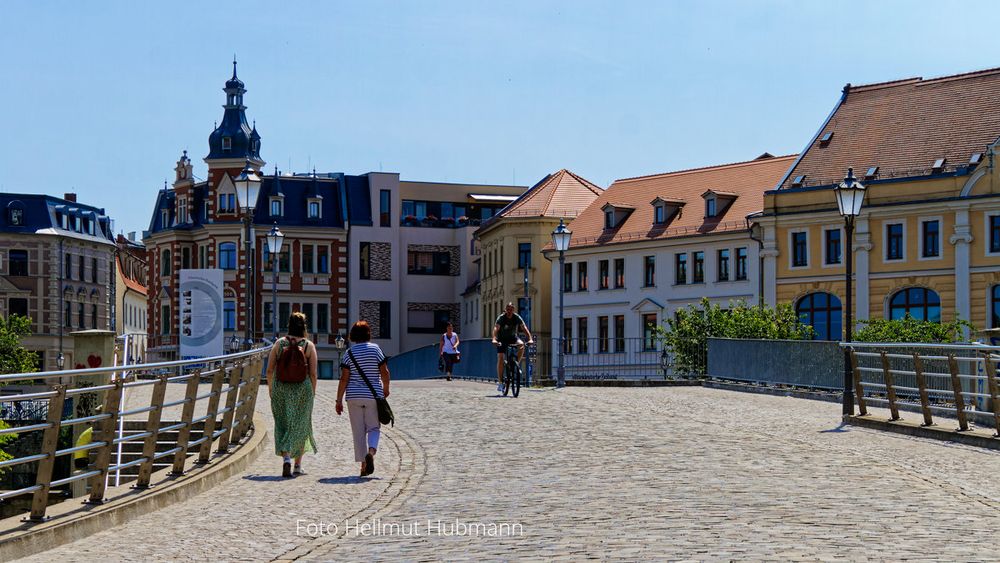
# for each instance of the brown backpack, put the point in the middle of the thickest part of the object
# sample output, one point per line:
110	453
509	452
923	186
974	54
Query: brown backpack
291	366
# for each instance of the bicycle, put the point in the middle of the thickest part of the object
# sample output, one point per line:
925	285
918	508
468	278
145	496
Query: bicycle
512	371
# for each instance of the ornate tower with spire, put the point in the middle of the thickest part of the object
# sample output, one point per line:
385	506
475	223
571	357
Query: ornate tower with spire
231	146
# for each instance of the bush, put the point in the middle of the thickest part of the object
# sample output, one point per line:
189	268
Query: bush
909	329
686	335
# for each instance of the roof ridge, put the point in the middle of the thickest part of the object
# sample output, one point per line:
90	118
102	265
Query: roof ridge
919	80
587	183
555	187
704	168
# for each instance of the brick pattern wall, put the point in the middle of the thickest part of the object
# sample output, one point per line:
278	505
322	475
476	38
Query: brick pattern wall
369	311
380	260
454	251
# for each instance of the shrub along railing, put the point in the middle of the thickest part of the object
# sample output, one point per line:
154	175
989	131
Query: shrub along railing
955	378
233	378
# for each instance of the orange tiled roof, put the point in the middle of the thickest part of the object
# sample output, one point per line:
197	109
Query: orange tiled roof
748	180
563	194
903	127
129	282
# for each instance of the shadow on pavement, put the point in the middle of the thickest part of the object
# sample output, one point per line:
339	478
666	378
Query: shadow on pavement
352	480
842	428
265	478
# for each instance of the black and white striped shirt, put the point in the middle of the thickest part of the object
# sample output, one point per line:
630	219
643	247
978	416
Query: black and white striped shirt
370	357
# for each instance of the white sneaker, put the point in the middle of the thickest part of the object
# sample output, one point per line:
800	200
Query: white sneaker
499	387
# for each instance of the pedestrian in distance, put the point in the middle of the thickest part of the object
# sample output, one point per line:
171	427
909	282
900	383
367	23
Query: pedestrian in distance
505	333
364	376
291	383
449	350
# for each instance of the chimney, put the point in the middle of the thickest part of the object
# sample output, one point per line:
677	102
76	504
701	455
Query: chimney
70	197
131	236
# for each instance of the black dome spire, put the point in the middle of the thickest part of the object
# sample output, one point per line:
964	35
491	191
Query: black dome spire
234	138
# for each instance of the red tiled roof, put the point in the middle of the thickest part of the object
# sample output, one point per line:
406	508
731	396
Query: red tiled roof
748	180
129	282
563	194
904	126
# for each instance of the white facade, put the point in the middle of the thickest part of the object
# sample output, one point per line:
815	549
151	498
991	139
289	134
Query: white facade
381	284
636	299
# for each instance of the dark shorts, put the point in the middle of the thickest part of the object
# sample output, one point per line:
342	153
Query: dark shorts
503	345
449	361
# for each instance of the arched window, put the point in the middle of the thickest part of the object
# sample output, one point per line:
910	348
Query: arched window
822	311
227	256
921	303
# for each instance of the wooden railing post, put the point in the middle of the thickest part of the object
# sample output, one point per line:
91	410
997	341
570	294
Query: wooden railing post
213	411
991	378
227	419
956	386
187	414
925	404
153	427
859	390
248	399
50	443
890	388
106	433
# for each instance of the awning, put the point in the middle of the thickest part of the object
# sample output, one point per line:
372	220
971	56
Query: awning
491	197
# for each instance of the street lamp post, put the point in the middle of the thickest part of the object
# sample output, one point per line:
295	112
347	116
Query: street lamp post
850	196
340	344
247	190
274	240
560	240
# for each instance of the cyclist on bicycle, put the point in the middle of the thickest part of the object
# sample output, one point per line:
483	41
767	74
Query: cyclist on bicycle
505	333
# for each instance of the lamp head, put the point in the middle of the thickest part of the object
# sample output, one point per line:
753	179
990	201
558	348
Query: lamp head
850	195
561	237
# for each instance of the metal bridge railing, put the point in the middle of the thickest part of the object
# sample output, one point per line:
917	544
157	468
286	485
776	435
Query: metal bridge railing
234	378
626	358
958	378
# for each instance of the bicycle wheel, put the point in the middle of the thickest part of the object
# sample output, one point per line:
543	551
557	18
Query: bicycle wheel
509	361
515	384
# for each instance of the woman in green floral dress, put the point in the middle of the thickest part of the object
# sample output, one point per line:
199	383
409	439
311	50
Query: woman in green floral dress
292	403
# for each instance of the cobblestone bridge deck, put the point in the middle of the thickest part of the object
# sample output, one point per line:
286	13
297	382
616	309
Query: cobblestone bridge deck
620	473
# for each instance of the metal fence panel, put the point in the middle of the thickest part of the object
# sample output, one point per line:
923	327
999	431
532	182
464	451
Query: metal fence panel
805	363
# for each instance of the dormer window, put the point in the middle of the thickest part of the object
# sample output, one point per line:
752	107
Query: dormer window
277	207
717	202
314	209
664	210
615	215
164	218
182	210
227	144
15	214
227	202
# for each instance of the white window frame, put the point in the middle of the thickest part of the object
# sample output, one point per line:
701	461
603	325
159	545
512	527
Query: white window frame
281	206
319	208
182	210
920	238
843	248
986	231
311	249
223	194
791	250
662	210
165	217
885	241
713	202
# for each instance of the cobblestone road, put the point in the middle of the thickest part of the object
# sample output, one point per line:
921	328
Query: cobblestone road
619	473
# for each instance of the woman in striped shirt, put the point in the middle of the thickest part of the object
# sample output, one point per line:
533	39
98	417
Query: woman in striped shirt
369	359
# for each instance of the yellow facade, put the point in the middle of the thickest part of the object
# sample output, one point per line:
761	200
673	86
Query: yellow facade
963	274
501	278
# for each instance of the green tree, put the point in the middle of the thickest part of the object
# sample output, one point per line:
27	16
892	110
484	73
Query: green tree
686	335
14	358
909	329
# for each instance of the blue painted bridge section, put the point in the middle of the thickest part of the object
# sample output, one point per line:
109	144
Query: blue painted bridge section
479	359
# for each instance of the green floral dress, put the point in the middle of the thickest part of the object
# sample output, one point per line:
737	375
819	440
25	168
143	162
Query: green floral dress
292	406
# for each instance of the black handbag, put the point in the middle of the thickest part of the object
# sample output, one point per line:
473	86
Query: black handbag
385	415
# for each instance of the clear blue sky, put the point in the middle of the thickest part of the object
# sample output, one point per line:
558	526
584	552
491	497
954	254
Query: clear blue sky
101	97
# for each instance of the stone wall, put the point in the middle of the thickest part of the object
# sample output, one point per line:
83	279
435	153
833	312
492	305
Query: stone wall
380	261
369	311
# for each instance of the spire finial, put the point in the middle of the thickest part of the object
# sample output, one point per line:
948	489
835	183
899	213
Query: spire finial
234	66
